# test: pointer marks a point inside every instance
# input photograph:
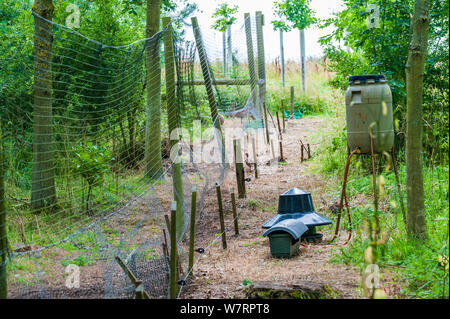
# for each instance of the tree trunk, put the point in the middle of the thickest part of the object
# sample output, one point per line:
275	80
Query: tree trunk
416	222
282	58
153	158
43	194
229	54
303	61
3	231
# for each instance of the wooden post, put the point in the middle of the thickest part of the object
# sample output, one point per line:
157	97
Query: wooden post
281	138
255	156
3	231
250	56
239	165
173	251
265	123
233	204
292	102
261	54
173	121
283	116
139	287
301	146
279	126
192	233
204	63
282	58
273	149
221	217
309	151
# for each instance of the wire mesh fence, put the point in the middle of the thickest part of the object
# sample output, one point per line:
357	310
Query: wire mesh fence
85	190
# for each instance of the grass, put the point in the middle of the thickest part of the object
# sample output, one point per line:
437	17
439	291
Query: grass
414	265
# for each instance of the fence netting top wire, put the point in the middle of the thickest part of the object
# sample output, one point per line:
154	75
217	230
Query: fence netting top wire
78	107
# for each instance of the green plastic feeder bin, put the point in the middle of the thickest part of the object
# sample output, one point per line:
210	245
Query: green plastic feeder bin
282	245
368	103
284	238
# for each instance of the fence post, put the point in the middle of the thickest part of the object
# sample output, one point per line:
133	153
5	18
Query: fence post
255	157
309	151
3	231
222	221
192	233
208	81
265	123
233	204
173	251
281	139
239	165
302	147
173	121
250	56
261	54
292	102
283	116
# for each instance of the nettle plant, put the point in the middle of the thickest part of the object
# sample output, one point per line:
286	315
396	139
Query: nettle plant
91	162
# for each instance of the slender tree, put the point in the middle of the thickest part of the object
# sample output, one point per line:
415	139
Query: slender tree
297	14
153	158
225	18
282	27
43	194
416	222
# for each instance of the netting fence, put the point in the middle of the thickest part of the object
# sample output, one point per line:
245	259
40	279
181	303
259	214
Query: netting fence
85	192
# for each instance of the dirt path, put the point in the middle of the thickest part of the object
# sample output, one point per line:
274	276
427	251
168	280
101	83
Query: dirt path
219	273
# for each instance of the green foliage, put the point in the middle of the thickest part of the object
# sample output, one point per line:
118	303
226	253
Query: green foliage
79	261
246	282
384	50
224	16
417	265
91	162
294	14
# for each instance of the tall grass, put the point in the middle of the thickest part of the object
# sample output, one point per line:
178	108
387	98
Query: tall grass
417	267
